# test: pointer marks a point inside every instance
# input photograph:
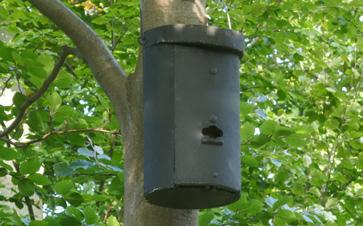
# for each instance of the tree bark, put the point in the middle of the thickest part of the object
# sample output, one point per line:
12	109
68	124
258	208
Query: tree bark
126	96
138	212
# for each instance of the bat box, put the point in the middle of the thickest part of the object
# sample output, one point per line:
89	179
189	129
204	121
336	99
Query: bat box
191	116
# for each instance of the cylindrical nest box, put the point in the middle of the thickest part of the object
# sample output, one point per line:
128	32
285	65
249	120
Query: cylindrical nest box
191	116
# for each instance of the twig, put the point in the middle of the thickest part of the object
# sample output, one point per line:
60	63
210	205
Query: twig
113	40
28	102
104	65
108	211
29	204
18	84
352	215
28	201
115	43
70	69
52	133
5	84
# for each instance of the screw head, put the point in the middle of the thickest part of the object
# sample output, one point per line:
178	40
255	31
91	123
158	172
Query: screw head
213	119
213	71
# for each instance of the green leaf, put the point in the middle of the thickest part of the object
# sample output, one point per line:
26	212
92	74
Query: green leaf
260	140
331	203
52	221
47	61
90	215
282	175
236	206
37	74
249	160
74	198
64	80
286	215
5	52
65	113
74	212
317	178
100	20
62	169
281	131
6	166
85	152
247	132
38	223
81	164
117	186
97	198
18	99
112	221
360	161
30	166
54	101
268	127
38	120
245	108
296	140
347	163
332	124
68	220
278	221
26	187
39	179
255	206
205	217
8	153
3	172
63	187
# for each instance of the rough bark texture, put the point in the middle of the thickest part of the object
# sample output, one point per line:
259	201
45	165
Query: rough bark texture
162	12
137	211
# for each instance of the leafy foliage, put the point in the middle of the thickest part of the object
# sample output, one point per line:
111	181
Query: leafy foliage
75	167
301	111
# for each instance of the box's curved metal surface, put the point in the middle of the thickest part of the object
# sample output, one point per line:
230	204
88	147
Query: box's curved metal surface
191	116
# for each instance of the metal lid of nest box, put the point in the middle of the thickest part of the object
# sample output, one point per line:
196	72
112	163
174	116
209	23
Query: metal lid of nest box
191	116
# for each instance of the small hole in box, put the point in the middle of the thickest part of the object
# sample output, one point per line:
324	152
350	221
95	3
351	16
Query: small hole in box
212	132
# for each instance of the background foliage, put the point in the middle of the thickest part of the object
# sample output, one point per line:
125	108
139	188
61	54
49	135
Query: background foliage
301	115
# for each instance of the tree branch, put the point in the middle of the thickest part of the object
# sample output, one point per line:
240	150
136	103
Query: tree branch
28	201
52	133
70	69
29	205
6	84
103	64
28	102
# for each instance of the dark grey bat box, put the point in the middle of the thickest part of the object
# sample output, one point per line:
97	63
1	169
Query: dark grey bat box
191	116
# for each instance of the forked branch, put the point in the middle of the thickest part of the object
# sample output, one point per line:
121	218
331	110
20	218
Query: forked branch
28	102
99	58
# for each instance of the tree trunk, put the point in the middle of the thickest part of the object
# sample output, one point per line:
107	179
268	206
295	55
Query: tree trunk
126	96
137	211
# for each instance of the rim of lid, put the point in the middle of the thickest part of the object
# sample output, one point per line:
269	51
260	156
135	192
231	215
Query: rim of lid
195	35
